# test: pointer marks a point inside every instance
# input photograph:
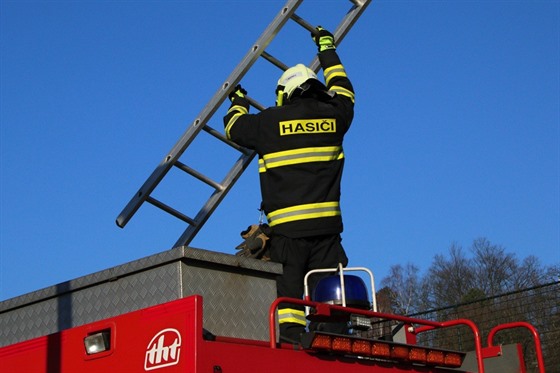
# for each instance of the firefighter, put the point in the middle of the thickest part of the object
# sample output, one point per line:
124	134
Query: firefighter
299	145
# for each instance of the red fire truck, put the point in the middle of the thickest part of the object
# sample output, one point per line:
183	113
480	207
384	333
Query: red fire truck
175	336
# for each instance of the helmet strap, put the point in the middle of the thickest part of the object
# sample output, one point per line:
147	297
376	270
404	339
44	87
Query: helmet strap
280	98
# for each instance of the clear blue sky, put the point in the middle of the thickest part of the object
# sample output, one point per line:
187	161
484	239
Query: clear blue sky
456	134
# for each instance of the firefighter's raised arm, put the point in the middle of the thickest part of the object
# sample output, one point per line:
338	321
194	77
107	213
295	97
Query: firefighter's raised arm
239	106
336	79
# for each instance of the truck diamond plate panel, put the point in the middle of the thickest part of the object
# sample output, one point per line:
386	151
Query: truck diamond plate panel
237	293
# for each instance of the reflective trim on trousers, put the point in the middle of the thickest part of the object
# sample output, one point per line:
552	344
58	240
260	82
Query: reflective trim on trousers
291	315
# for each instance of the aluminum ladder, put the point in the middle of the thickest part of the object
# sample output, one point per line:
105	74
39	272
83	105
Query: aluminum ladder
172	159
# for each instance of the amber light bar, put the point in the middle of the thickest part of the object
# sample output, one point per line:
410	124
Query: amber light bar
350	345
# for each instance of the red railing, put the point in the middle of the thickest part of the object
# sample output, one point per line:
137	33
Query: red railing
324	309
521	324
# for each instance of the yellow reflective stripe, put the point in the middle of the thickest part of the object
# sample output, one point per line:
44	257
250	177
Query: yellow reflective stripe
241	110
291	315
343	91
302	212
230	124
334	71
302	155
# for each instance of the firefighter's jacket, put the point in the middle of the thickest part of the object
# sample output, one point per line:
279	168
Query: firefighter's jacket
300	154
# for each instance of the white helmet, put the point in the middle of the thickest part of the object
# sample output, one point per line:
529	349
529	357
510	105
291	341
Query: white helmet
294	78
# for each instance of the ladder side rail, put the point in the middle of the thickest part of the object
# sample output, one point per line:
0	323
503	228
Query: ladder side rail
161	170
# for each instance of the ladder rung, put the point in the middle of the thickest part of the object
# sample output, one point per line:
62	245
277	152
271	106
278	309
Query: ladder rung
210	205
224	139
306	25
170	210
255	104
198	175
275	61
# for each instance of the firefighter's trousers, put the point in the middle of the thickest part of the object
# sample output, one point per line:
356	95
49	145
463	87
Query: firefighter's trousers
299	256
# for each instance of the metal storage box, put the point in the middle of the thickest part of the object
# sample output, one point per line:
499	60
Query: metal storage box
237	294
